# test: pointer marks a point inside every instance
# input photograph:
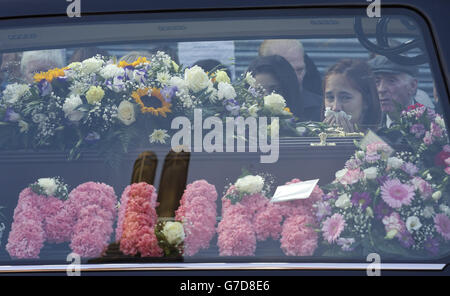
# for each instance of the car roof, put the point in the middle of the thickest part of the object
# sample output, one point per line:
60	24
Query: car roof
18	8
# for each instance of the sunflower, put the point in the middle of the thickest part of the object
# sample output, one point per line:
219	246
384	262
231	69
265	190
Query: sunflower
50	74
140	60
153	93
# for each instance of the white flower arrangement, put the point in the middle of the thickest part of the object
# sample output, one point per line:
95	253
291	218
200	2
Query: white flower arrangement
250	184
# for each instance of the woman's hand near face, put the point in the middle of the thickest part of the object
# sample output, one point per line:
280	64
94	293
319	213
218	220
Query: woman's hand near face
341	120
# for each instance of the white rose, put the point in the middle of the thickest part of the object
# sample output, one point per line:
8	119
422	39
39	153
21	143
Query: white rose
436	195
440	121
225	91
48	185
360	155
222	76
394	162
69	106
413	223
250	184
174	232
125	112
179	83
343	201
274	103
91	65
111	71
371	173
340	174
196	79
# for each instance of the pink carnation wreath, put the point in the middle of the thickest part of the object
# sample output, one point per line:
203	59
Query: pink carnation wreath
197	212
85	219
254	219
31	226
91	209
137	220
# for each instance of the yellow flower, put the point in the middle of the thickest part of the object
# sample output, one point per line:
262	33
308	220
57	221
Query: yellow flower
140	60
154	92
94	94
50	74
222	76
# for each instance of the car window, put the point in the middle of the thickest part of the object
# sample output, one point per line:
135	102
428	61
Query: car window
297	137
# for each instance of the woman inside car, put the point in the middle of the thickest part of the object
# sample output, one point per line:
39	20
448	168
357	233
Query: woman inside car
350	96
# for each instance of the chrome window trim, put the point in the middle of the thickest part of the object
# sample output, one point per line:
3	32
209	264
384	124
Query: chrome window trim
221	267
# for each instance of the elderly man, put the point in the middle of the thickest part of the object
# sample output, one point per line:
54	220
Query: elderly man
397	87
40	61
292	50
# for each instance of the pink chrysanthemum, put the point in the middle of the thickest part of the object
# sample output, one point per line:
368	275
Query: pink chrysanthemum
442	224
333	227
397	194
298	236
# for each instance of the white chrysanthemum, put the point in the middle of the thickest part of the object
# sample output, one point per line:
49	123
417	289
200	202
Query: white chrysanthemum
371	173
225	91
111	71
94	94
196	79
163	78
253	110
250	184
394	162
69	106
91	65
173	232
275	103
14	92
250	79
413	223
125	112
76	66
158	136
49	185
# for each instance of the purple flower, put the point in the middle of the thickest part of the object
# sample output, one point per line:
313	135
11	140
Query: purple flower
410	168
382	210
232	106
382	179
168	93
446	148
353	163
405	239
432	245
116	84
45	88
417	129
361	199
11	116
436	130
330	195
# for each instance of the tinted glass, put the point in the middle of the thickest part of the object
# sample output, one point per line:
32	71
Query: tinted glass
282	139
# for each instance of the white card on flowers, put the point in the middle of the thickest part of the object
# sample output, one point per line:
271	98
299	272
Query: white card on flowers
294	191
